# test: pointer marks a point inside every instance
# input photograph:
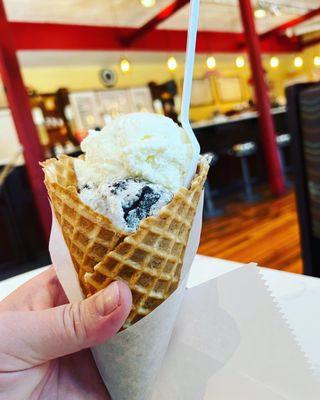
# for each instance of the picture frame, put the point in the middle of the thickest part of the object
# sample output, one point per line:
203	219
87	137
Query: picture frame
201	92
229	89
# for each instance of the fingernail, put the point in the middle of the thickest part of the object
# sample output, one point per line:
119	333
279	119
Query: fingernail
108	299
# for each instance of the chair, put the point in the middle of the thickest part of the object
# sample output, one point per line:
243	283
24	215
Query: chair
303	102
283	141
243	151
209	208
21	241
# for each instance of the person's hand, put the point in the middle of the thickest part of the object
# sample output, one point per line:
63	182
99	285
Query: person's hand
44	341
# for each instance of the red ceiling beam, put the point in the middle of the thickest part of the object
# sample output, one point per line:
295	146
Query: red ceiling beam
40	36
267	128
154	22
290	24
311	42
280	44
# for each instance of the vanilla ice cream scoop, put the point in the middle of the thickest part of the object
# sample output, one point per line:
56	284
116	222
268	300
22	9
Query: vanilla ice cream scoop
147	146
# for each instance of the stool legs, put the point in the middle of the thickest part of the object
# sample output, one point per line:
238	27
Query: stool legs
249	195
210	210
283	167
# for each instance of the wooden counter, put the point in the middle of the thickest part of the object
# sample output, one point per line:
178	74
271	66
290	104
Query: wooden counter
219	137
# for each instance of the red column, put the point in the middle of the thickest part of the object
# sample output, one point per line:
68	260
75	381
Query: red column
20	109
266	122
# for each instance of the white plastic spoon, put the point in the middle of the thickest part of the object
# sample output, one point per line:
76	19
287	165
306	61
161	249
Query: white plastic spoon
187	86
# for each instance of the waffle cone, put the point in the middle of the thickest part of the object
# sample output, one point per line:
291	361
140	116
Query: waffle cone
88	235
149	260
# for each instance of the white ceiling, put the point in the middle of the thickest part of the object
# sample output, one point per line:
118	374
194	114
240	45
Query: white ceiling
84	12
215	15
223	17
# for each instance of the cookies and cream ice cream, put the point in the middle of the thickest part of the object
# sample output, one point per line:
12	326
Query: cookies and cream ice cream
133	167
126	201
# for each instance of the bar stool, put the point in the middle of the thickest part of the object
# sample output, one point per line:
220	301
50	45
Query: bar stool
243	151
209	208
284	140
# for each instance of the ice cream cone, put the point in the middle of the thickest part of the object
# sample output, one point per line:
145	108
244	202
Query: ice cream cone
88	235
149	260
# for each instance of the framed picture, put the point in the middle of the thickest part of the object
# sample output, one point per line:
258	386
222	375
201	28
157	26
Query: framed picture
229	89
201	94
115	102
86	110
141	99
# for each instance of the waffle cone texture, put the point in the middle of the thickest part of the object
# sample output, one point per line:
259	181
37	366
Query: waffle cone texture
149	260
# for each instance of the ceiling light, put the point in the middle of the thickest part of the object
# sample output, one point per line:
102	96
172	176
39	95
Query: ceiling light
211	62
298	62
289	32
274	62
259	13
172	63
148	3
125	65
240	62
316	61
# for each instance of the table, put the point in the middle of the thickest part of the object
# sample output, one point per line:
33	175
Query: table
297	295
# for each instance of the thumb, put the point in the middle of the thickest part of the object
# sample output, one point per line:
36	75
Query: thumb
33	337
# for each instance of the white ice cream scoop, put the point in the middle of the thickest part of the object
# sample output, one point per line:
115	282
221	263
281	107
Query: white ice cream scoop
187	86
138	145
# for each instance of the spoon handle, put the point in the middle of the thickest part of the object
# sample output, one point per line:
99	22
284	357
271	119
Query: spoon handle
187	86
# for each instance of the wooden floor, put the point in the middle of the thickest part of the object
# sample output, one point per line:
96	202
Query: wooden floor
266	233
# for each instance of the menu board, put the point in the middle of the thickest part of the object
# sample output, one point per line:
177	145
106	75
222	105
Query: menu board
229	89
201	93
141	99
86	110
115	102
96	108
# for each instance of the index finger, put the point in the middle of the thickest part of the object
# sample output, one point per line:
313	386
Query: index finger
39	293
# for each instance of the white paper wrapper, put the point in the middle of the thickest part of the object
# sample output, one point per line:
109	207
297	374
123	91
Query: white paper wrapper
130	361
231	342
